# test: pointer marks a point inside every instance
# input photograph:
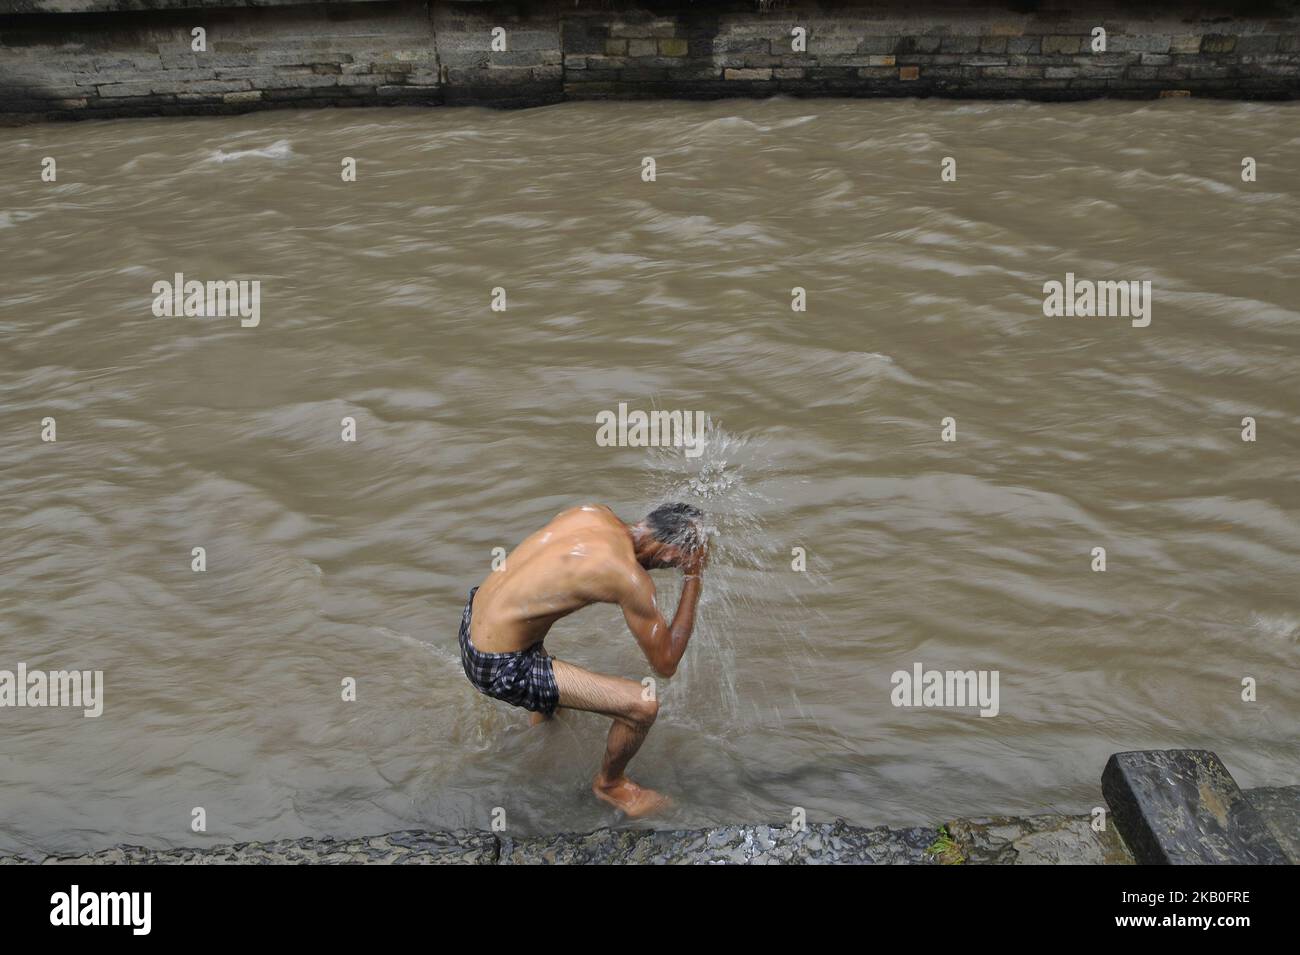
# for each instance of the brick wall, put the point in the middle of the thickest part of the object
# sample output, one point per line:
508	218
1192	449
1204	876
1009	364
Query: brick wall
57	60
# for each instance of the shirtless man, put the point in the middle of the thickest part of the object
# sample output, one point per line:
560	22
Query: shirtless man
583	556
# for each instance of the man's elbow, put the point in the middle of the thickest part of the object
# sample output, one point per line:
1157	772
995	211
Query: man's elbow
663	668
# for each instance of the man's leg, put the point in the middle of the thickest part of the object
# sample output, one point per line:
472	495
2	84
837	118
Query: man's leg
633	716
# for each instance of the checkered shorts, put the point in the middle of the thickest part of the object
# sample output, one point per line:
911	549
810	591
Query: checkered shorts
521	678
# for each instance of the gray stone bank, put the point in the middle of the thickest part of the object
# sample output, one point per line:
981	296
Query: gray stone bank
1048	839
996	841
86	58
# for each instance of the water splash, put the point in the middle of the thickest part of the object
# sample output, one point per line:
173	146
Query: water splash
749	574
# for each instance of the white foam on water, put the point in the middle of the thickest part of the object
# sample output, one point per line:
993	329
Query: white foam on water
10	219
1276	626
280	149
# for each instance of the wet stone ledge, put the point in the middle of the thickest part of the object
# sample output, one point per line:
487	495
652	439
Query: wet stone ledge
1005	840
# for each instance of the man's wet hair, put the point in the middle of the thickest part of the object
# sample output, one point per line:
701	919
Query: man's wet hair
678	524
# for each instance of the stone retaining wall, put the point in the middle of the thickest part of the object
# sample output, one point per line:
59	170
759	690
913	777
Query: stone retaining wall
85	58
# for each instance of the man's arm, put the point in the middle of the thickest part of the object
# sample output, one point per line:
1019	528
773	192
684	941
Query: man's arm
662	643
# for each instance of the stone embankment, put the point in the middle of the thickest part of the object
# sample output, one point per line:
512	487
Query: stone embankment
69	59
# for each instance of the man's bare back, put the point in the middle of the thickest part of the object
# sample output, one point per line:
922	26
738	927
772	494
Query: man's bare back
583	556
587	555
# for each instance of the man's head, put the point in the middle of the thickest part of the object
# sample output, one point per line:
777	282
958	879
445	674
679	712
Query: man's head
668	535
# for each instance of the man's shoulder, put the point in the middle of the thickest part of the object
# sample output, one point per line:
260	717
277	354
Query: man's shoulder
587	514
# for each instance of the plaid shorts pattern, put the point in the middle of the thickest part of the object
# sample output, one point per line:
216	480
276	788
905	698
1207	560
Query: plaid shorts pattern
521	678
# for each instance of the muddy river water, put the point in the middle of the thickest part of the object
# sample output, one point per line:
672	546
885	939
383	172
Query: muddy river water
853	541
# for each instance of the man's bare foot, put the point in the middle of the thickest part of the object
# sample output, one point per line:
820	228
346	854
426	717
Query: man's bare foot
535	718
633	800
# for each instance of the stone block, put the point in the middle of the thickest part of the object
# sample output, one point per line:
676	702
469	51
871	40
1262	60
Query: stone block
576	38
1218	43
289	81
742	44
181	61
959	44
1279	807
1180	807
876	45
1140	43
1062	44
214	86
827	45
221	60
517	58
285	57
1257	43
532	39
1003	29
55	92
1015	72
136	88
907	45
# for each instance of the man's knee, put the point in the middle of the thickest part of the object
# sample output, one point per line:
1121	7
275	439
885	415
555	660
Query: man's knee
644	712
